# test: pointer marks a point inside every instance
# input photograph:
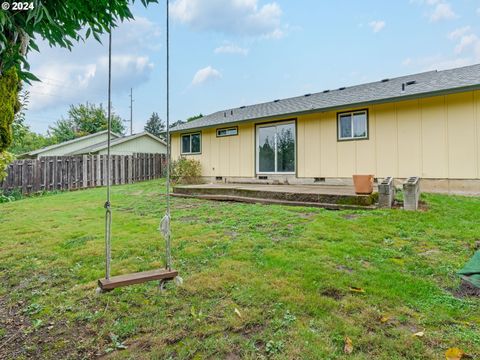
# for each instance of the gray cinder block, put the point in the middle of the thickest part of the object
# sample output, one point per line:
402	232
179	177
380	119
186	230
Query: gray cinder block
411	193
386	193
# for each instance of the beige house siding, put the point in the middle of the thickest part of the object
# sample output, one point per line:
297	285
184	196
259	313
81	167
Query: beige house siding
142	144
80	144
436	137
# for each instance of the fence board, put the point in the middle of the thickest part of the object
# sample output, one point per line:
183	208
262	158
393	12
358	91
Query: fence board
85	171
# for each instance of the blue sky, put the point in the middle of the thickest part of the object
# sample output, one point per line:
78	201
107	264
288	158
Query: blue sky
229	53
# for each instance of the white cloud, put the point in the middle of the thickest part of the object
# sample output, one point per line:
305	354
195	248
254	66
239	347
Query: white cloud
465	42
442	11
455	34
466	52
205	74
377	25
229	48
238	17
81	75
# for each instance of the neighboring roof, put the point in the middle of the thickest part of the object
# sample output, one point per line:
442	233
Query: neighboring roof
418	85
55	146
103	145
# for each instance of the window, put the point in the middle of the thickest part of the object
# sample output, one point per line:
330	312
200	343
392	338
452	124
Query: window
353	125
227	132
276	148
191	143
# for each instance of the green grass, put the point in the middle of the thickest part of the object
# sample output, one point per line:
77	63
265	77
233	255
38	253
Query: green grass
287	270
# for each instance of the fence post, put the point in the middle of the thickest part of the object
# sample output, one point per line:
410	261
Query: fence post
84	171
129	169
98	171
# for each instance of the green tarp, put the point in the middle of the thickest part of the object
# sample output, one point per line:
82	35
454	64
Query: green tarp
471	271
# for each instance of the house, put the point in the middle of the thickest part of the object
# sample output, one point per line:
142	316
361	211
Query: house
96	144
143	142
70	146
426	125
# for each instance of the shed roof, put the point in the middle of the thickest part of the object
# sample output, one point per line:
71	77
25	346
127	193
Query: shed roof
113	142
69	142
400	88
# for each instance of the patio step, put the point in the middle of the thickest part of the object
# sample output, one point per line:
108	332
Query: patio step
326	197
252	200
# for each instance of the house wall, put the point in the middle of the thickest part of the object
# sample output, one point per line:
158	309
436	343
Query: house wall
80	144
142	144
436	138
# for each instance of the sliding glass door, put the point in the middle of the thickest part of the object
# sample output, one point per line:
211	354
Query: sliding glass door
276	148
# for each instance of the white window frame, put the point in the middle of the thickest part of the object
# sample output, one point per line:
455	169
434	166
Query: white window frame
226	130
351	113
257	153
181	143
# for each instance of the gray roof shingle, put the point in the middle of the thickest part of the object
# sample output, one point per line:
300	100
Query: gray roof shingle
425	84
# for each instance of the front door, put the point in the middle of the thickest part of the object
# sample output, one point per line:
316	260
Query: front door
276	147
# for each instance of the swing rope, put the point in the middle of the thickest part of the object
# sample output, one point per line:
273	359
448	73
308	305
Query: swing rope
165	222
164	227
108	211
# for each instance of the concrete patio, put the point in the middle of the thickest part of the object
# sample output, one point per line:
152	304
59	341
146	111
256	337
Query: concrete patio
326	196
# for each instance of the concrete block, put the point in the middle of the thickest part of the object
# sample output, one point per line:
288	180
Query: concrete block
411	193
386	193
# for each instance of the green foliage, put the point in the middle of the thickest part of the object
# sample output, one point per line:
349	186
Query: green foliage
186	171
82	120
176	123
60	23
9	105
155	125
194	117
5	159
25	140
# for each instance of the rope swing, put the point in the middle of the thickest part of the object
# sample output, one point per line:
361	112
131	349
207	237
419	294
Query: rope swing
163	275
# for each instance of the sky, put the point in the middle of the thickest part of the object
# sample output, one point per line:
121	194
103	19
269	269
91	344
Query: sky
229	53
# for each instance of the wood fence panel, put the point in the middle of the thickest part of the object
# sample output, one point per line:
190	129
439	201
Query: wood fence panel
79	172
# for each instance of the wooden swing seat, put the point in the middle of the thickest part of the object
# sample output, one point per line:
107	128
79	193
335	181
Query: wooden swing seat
136	278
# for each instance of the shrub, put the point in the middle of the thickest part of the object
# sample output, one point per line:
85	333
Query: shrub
5	159
186	171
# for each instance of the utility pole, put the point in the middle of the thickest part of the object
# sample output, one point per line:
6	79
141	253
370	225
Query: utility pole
131	111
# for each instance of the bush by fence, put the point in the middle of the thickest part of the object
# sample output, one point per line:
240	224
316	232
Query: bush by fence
80	172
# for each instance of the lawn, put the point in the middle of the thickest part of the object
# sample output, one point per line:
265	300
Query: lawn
259	281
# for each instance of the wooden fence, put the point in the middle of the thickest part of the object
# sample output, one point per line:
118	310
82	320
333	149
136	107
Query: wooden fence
80	172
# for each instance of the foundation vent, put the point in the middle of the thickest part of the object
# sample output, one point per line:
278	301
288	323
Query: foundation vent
219	178
319	180
263	177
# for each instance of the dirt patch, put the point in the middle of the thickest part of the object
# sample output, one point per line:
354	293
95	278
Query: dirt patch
232	234
188	219
233	356
332	293
40	339
350	216
429	252
466	289
344	268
